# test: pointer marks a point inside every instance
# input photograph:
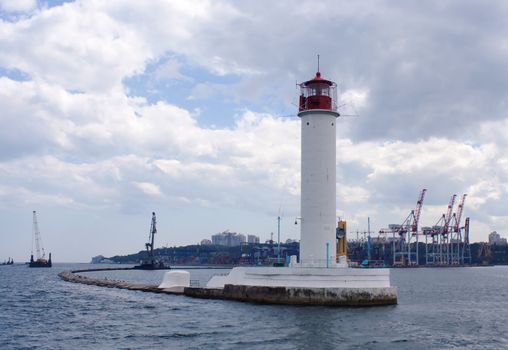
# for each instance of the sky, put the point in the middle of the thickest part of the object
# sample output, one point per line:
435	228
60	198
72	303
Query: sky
110	110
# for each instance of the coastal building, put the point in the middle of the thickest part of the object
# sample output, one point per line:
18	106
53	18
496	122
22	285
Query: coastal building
229	239
97	259
100	259
206	242
251	239
495	239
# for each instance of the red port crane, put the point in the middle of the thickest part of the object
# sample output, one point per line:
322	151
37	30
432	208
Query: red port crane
410	227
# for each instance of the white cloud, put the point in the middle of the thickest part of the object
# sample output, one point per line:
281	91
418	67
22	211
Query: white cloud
119	139
161	149
432	110
149	188
74	46
483	190
352	194
355	97
20	195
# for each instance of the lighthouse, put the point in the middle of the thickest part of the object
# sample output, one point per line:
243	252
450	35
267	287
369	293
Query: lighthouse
318	278
318	114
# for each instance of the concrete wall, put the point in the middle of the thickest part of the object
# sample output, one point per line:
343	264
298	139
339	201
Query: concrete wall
304	277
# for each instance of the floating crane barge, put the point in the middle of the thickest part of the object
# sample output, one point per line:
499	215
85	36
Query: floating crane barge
40	255
151	262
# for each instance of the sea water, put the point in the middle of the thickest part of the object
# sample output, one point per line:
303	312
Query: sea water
438	308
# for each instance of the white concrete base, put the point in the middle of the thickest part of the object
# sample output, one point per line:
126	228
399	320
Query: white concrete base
303	277
330	264
175	281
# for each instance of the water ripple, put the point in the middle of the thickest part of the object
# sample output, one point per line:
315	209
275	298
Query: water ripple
463	308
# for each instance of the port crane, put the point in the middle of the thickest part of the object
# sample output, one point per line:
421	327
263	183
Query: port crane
40	254
410	226
449	238
445	231
406	231
456	234
439	237
416	221
466	248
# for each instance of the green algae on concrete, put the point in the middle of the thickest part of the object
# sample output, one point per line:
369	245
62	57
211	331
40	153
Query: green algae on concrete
300	296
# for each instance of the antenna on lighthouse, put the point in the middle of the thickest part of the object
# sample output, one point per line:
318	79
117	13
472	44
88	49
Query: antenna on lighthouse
318	62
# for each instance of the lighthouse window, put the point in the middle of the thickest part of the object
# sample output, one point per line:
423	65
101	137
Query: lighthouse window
325	91
307	123
332	124
318	90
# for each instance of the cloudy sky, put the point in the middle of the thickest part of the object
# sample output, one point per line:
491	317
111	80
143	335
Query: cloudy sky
110	110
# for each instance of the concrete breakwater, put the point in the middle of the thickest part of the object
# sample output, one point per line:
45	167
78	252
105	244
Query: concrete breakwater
72	276
260	294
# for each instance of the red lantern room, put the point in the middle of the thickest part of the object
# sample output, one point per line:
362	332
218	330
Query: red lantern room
318	93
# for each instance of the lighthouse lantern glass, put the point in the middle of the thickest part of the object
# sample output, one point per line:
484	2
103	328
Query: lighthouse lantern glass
318	95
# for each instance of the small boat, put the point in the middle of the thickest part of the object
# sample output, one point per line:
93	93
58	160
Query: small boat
8	262
40	255
151	262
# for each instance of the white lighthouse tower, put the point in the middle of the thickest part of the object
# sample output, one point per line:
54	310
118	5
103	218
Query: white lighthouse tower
318	114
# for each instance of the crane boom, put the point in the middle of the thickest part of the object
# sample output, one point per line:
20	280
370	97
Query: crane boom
37	238
153	228
466	231
151	238
418	210
460	209
448	215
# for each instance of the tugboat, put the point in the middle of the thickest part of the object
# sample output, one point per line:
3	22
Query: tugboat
40	258
152	263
